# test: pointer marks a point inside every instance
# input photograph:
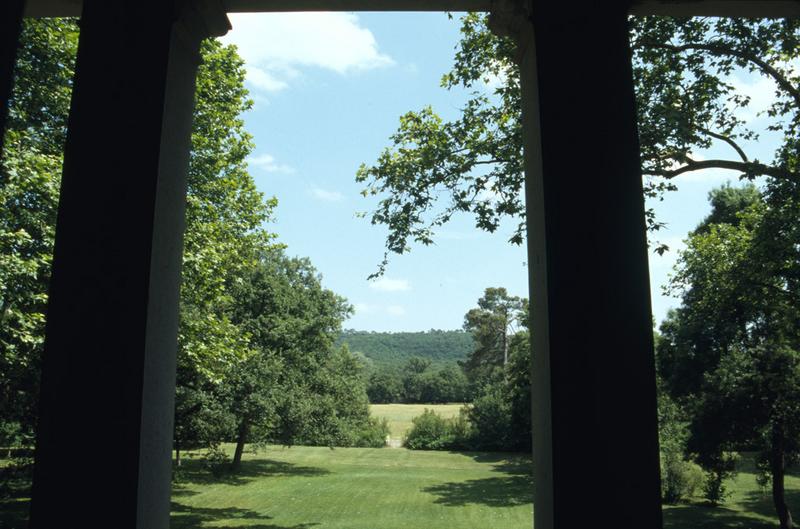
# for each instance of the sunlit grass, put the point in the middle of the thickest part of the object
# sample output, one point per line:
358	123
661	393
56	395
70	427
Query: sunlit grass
359	488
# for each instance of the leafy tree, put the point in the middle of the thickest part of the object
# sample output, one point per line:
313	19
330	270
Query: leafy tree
435	169
224	215
384	387
492	324
695	335
297	387
30	176
743	277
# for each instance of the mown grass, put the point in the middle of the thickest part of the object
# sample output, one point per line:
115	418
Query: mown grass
400	415
363	488
358	488
747	507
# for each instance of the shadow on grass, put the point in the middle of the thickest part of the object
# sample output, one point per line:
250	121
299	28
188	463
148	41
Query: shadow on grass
193	472
513	488
15	491
186	517
492	492
760	503
697	516
14	513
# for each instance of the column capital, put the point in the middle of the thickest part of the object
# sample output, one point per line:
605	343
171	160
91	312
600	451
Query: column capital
512	18
202	19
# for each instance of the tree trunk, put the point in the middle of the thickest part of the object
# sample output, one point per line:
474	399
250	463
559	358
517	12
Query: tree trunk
244	428
777	467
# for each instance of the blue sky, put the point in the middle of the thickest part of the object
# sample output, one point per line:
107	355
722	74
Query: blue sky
328	91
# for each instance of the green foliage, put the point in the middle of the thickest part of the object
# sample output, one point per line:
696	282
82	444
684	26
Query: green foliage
385	387
492	325
391	350
430	431
681	478
224	215
373	434
434	169
216	461
30	176
737	330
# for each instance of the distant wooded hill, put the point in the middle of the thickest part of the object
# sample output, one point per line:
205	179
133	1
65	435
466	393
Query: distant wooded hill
392	349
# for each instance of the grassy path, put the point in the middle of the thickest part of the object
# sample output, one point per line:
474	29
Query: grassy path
359	488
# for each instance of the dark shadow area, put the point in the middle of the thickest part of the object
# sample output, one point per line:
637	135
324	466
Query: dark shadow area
185	517
761	503
492	492
507	463
514	488
193	471
15	494
696	516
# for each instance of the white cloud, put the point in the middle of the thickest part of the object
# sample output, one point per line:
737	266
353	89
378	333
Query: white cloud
275	45
327	196
267	163
363	308
396	310
264	80
385	284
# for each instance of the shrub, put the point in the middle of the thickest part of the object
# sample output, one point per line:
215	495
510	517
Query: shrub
373	434
490	415
721	468
680	479
216	461
430	431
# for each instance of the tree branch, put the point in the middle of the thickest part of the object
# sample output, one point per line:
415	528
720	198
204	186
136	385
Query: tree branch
718	48
749	168
728	140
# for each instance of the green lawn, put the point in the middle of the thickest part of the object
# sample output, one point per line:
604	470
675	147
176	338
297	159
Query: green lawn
400	415
359	488
384	488
748	507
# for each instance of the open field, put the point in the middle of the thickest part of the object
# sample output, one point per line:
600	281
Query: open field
400	415
359	488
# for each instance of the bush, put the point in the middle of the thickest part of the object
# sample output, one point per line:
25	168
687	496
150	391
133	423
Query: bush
216	461
374	434
720	468
430	431
490	415
680	479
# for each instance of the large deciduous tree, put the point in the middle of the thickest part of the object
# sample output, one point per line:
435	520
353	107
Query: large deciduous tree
297	386
738	331
30	176
686	101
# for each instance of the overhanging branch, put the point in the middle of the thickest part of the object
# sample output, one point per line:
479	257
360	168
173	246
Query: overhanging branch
719	48
748	168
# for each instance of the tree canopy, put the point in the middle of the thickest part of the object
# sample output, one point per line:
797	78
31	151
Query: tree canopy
731	352
686	102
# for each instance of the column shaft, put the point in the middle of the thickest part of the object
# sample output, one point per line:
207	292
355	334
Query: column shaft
595	430
109	363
